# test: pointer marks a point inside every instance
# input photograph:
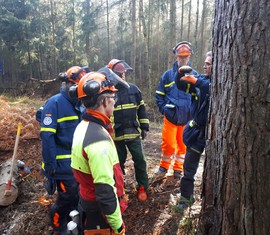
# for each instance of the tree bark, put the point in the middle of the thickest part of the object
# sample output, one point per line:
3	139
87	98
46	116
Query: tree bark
237	169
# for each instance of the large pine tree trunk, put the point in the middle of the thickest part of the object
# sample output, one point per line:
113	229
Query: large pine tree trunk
237	174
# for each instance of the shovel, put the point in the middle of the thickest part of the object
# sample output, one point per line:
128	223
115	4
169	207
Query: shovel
8	188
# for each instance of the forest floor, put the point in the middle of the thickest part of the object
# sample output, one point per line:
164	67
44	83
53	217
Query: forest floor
28	215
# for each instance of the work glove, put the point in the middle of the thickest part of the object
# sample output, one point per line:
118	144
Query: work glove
50	186
184	74
143	134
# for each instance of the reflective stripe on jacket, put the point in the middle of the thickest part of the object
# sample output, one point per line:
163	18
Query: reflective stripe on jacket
97	169
58	122
129	116
172	102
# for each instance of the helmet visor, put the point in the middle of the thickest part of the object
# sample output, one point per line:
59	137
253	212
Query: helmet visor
113	77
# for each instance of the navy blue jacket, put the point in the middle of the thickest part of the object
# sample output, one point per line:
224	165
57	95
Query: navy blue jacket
129	116
200	92
60	116
172	102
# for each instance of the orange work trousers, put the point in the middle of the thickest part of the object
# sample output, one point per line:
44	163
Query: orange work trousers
172	146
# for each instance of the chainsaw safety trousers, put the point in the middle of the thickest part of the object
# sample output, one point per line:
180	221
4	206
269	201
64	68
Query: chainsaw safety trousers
172	146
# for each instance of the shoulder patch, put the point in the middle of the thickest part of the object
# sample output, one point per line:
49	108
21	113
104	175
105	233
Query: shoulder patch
47	121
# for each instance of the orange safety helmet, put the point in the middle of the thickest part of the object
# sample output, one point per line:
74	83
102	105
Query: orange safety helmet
183	49
120	67
94	83
73	74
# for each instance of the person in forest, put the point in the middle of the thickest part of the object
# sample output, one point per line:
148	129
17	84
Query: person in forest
130	121
58	119
94	157
194	133
174	104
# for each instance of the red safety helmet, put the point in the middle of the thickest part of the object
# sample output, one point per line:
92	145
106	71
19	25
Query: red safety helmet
120	67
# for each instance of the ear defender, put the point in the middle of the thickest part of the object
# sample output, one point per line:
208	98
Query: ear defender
73	91
91	88
181	43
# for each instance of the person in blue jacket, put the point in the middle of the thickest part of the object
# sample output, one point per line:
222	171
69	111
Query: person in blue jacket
194	132
174	105
58	119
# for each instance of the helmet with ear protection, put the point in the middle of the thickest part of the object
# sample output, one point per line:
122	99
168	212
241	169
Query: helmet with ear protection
91	84
73	74
183	48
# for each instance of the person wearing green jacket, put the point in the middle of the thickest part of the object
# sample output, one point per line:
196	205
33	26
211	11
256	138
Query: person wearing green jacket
94	157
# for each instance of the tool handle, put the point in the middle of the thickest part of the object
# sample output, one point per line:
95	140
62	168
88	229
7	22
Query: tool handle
14	155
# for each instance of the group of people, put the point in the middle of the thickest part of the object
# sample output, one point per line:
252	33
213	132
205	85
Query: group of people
87	128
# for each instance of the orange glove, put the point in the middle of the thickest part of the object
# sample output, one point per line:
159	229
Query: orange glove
189	79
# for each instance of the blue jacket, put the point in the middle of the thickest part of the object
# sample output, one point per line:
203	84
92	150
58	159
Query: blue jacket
172	102
200	93
60	116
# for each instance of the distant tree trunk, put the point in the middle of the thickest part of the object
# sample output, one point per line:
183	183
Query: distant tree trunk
53	18
202	29
87	34
237	169
196	24
172	27
158	38
134	37
182	21
108	29
189	19
149	58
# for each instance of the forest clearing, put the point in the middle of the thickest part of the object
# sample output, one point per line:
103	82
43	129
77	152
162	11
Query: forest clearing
28	215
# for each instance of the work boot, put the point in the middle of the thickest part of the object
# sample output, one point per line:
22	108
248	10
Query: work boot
177	175
184	203
161	172
142	195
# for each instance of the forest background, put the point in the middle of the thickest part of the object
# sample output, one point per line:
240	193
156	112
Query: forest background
40	38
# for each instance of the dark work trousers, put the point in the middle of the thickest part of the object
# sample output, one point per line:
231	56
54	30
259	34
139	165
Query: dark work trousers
67	200
135	148
191	163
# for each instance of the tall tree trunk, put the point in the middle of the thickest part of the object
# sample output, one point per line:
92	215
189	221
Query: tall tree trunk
172	28
134	37
201	51
182	21
237	170
189	20
108	29
53	18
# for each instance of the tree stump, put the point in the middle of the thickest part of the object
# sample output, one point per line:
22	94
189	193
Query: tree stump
7	199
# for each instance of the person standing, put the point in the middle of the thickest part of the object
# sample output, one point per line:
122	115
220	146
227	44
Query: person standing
94	157
58	119
194	132
130	122
174	104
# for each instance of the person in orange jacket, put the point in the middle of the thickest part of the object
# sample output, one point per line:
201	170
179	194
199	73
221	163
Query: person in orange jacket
174	104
